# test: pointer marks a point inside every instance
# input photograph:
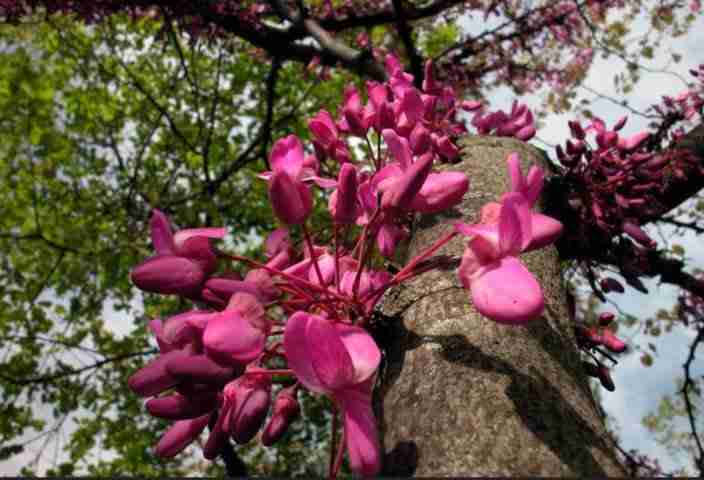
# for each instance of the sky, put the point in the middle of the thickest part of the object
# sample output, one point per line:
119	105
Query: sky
638	389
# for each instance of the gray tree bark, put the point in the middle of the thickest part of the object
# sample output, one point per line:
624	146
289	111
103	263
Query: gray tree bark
462	395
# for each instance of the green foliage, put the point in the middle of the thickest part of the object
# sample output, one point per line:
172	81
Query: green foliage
100	125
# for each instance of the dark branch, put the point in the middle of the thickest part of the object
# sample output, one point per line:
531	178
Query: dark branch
74	371
270	100
689	225
686	388
404	31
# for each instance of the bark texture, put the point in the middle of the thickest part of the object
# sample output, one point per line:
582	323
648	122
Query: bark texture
461	395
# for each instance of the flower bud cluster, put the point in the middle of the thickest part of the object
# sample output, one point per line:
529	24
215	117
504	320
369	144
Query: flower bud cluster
591	339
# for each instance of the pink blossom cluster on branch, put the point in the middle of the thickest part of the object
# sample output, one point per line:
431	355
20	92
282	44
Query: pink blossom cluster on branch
616	180
306	308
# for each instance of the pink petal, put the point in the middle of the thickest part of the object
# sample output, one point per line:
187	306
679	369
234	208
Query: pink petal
284	411
298	352
153	378
168	274
266	290
155	326
280	261
361	437
508	293
388	237
326	265
514	172
393	66
398	146
408	185
251	310
440	192
633	142
162	237
182	236
179	407
178	331
343	202
534	184
231	340
526	133
329	357
412	105
216	439
323	128
510	234
363	351
276	242
420	141
544	231
180	435
198	369
490	212
322	182
287	156
226	287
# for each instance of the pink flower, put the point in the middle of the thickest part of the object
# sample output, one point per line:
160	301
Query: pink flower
290	197
340	361
343	203
502	288
409	185
237	335
182	262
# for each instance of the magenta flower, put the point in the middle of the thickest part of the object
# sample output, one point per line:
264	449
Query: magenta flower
237	335
290	197
182	262
410	185
343	204
502	288
340	361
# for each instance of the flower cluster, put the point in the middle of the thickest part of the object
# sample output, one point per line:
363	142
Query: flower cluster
306	308
591	339
618	179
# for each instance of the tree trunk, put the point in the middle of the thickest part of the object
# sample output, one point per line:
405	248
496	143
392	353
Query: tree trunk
462	395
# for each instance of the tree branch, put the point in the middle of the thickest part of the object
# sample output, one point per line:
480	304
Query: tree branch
74	371
404	31
690	385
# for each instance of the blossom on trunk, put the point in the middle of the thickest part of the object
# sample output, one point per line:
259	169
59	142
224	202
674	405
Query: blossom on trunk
182	262
340	361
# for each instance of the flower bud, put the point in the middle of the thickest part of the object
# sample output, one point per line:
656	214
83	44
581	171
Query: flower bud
606	318
179	436
576	129
638	234
609	284
198	369
343	201
285	411
248	398
168	274
291	200
612	342
180	407
154	377
605	379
